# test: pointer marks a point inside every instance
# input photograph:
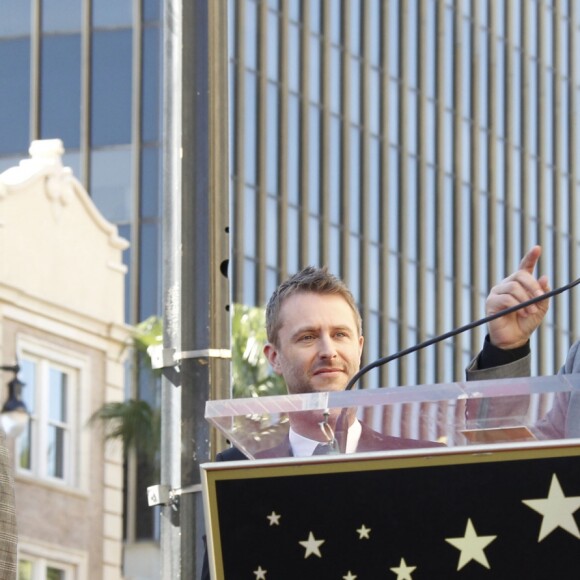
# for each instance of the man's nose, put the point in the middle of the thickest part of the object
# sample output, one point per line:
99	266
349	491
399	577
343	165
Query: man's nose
327	348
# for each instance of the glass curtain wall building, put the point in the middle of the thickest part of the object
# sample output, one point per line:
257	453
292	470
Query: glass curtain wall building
417	148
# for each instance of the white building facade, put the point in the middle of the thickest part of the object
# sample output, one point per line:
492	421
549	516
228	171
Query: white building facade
62	318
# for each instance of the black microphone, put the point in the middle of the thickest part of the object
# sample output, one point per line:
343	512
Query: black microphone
387	359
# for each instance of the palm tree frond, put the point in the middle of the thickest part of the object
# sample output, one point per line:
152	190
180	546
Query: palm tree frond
134	422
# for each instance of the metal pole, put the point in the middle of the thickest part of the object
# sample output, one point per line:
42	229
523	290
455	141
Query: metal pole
195	257
205	247
171	395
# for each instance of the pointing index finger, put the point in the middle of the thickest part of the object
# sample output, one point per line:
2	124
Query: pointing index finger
530	260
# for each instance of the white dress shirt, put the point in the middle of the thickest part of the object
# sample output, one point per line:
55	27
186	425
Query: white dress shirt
304	447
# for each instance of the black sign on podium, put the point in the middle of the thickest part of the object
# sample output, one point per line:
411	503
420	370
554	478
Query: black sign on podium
484	490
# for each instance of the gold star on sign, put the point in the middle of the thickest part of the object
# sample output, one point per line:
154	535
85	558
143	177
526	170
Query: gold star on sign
557	510
363	532
260	573
312	546
403	571
471	546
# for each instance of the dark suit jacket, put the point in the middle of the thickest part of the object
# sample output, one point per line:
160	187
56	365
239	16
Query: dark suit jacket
369	441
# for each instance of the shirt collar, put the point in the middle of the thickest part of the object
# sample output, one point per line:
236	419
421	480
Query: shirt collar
304	447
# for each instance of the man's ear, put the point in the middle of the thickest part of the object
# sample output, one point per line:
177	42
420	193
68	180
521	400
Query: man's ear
271	354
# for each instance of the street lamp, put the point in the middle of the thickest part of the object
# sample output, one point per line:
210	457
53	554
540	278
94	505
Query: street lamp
14	414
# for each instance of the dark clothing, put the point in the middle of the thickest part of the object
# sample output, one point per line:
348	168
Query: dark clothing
369	441
231	454
492	356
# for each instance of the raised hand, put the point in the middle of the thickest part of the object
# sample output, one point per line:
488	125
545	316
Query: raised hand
514	330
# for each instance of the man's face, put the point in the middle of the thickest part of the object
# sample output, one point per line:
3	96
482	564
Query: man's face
319	347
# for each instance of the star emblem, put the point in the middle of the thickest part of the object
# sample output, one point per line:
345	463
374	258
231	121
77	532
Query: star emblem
363	532
349	576
557	510
274	518
260	573
403	571
471	546
312	546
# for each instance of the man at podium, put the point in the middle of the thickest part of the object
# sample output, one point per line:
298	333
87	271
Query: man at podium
315	343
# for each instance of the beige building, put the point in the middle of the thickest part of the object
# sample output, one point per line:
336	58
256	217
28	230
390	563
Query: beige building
62	317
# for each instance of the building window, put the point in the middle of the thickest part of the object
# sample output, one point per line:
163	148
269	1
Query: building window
50	448
43	569
39	561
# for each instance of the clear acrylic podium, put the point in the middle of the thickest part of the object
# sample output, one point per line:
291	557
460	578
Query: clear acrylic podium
489	486
454	414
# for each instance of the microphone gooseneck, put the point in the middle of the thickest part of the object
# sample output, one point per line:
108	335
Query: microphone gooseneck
387	359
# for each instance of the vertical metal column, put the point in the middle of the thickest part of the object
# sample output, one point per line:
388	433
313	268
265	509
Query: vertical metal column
559	311
458	203
325	149
543	238
346	149
171	236
422	191
476	170
196	259
385	193
572	144
205	299
132	491
403	203
305	151
283	123
239	155
493	247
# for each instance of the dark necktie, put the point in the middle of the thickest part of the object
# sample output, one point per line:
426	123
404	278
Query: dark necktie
322	449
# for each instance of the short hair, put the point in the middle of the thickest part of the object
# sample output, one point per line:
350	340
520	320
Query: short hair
310	279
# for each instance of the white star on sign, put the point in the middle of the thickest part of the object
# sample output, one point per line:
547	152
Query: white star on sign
260	574
403	571
274	518
471	546
312	545
363	532
557	510
349	576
